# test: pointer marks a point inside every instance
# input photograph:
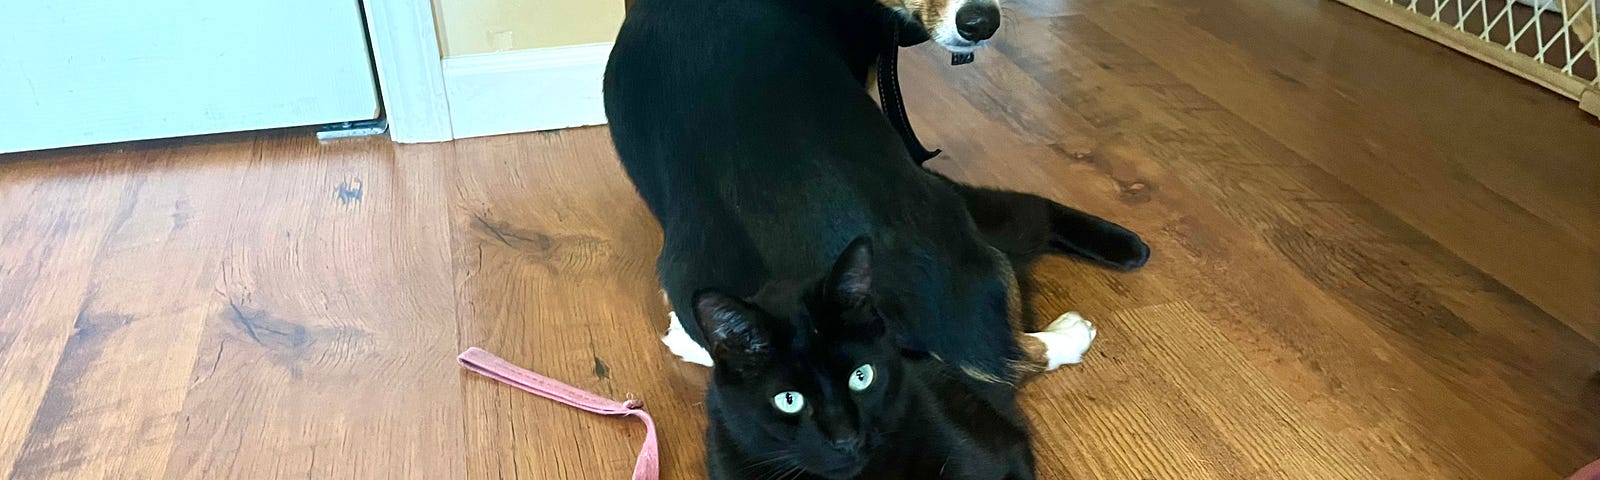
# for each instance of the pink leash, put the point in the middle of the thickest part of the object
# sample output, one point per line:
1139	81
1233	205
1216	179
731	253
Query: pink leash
1591	472
488	365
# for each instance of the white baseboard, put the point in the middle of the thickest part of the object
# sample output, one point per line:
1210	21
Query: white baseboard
526	90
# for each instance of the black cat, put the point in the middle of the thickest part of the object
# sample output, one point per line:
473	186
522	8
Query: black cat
855	398
863	312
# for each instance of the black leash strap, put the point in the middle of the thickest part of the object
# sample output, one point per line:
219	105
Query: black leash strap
893	105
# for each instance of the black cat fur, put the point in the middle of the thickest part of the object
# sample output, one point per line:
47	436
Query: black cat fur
801	241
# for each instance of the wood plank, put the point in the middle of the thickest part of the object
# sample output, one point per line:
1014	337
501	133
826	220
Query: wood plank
555	259
55	216
1218	154
1383	162
1515	149
135	334
326	343
1197	369
1100	181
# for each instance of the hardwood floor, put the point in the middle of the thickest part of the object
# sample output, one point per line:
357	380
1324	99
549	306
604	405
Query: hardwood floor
1374	258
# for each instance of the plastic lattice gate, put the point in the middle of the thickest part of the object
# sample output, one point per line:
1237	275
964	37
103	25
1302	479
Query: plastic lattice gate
1555	43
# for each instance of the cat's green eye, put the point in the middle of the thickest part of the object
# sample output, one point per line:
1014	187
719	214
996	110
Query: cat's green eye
789	402
861	378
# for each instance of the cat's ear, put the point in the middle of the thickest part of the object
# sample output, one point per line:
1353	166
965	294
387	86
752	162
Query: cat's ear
850	282
738	338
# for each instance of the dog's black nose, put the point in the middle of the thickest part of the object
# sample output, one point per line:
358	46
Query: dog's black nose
977	21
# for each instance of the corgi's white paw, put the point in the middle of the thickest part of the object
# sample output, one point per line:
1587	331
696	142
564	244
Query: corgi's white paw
679	343
1066	339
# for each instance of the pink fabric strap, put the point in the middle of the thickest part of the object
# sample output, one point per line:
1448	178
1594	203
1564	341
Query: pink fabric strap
1591	472
488	365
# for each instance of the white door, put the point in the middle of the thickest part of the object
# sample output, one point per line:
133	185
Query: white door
81	72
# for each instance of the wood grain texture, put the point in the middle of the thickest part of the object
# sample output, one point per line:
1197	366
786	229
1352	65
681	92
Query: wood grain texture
1374	258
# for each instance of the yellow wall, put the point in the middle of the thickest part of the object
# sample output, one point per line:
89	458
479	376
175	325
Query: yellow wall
469	27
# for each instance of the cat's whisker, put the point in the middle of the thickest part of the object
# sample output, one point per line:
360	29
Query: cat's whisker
775	465
780	474
783	456
795	472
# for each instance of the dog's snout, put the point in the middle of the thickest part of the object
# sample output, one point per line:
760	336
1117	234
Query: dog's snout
977	21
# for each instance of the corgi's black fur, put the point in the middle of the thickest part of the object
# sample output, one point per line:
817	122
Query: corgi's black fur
801	243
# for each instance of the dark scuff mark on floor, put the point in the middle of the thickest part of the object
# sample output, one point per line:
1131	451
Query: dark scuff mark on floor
268	331
532	242
349	191
182	213
284	342
601	371
551	251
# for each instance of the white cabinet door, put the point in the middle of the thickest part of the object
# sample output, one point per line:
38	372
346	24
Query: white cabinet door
83	72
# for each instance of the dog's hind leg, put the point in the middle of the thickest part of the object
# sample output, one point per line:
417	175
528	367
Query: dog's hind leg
1025	226
679	343
1063	342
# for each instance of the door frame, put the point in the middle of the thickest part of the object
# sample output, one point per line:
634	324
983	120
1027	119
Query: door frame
405	52
491	91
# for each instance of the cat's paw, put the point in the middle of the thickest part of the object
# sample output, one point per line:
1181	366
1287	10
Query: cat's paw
1066	339
679	343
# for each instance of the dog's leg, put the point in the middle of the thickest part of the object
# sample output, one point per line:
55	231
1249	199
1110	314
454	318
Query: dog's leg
1025	226
678	340
1063	342
679	343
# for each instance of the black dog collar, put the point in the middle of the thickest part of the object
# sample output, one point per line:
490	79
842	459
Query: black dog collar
889	94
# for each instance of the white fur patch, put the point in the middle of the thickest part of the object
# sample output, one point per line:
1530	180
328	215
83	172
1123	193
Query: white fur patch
679	343
1066	340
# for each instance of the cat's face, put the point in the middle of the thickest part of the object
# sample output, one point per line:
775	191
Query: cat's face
806	379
